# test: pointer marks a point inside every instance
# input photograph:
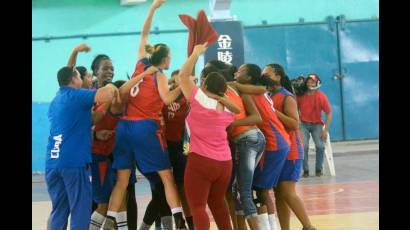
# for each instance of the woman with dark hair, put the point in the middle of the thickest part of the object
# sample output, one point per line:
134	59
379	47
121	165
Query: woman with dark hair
267	173
103	70
248	145
138	132
209	164
285	104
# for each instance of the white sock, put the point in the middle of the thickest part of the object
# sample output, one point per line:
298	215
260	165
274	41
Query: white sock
96	221
272	222
167	223
176	210
263	221
112	213
144	226
121	219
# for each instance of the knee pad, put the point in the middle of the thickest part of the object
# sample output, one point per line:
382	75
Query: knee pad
258	198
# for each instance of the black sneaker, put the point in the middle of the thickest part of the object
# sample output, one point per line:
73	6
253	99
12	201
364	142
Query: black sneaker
305	174
109	224
179	222
319	173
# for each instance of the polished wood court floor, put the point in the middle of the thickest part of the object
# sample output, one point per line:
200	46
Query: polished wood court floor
349	201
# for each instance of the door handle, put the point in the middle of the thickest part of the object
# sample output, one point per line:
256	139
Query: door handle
338	77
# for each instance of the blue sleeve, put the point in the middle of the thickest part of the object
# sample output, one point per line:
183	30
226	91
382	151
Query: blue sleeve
85	98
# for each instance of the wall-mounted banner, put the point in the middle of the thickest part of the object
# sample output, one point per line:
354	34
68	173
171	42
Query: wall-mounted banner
229	47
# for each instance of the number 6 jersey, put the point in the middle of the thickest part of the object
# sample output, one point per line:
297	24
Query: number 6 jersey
144	101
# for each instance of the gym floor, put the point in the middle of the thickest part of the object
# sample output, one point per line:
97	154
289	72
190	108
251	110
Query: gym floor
348	201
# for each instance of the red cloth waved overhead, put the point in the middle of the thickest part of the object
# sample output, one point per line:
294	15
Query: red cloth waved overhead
200	30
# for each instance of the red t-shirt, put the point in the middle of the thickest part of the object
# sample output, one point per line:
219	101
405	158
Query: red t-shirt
174	116
144	101
311	107
108	122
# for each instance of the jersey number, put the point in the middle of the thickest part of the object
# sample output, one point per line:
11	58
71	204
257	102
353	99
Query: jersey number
135	89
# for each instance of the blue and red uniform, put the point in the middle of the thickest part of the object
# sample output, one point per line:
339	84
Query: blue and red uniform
138	133
293	165
102	172
270	166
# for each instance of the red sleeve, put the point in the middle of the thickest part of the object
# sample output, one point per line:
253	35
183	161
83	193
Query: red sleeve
325	103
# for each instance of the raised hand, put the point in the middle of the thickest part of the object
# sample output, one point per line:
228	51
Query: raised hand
82	48
200	48
152	69
157	3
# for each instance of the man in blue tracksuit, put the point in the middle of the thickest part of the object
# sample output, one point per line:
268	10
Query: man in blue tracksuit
68	158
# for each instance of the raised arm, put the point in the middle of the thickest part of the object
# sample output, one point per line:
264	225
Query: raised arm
126	87
167	96
146	29
224	101
185	82
73	56
106	94
249	89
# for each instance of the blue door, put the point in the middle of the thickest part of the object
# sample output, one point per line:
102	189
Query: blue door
301	49
359	49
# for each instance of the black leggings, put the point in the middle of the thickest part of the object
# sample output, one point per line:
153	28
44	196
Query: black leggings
132	210
158	206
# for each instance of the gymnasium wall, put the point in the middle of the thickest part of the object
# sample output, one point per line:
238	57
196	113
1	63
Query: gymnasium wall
59	25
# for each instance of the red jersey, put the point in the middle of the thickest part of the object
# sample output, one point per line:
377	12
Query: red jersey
144	101
311	107
296	144
174	116
275	134
108	122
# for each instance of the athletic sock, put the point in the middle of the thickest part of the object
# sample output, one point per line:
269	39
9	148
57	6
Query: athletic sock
96	221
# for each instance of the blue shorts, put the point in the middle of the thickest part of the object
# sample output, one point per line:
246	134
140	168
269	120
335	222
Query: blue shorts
139	142
269	169
70	193
178	160
104	178
291	170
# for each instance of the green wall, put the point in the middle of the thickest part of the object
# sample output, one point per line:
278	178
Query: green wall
74	17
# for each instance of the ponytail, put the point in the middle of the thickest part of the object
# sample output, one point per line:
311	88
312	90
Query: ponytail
285	82
284	79
149	49
157	53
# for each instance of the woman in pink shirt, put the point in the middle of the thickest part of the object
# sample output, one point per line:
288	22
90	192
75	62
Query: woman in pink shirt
209	164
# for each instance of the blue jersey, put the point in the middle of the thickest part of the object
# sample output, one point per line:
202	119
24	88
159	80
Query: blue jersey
69	114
